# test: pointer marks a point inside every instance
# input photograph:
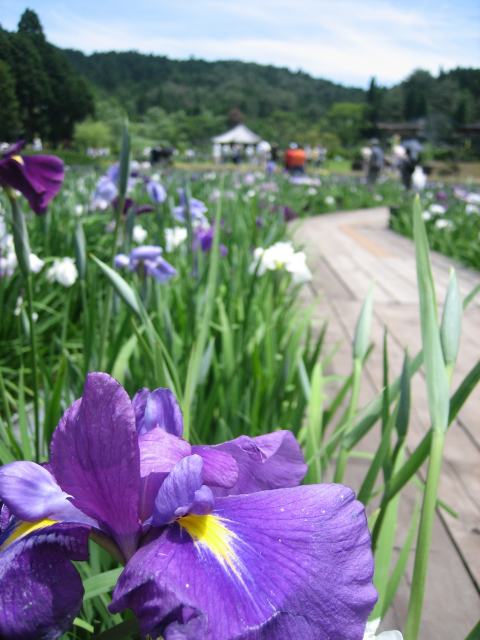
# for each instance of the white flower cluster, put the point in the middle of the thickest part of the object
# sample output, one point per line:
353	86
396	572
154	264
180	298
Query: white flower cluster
174	238
139	234
281	256
63	271
8	258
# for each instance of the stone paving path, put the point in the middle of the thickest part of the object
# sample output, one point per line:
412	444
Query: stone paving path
347	251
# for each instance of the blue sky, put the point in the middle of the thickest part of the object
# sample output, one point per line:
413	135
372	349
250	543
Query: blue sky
343	40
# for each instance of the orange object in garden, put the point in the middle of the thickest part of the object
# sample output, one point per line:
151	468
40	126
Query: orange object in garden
295	158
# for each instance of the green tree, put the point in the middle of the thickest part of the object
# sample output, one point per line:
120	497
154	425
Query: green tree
30	24
32	86
346	120
417	88
10	124
91	133
374	101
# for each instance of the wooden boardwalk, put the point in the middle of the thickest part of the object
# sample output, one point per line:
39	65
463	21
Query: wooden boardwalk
346	252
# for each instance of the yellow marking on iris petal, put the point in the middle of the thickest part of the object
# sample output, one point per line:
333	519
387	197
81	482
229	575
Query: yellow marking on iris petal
18	159
210	532
24	529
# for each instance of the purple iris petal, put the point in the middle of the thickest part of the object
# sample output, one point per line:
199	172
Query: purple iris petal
113	172
156	191
14	149
151	258
160	269
38	178
219	467
30	491
105	190
205	237
197	209
291	563
121	261
40	590
143	208
203	240
146	252
271	461
289	214
158	408
159	453
5	516
95	458
182	492
139	402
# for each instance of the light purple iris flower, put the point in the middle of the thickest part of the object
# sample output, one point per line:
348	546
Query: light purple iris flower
197	209
220	542
38	178
105	193
156	191
150	257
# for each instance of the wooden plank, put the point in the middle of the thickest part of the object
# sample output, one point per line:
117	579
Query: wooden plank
357	247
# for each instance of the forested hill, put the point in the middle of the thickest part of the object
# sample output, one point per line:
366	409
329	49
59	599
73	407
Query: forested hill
49	91
277	102
144	81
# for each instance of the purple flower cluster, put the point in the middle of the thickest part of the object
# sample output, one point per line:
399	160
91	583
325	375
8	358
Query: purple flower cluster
150	258
219	542
196	209
106	190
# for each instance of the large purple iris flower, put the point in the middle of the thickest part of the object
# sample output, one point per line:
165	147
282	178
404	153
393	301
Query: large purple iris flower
38	178
220	542
150	257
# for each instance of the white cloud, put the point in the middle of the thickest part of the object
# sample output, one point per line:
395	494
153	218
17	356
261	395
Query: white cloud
346	40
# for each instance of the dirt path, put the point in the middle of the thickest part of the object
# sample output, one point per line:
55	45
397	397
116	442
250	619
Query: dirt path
346	253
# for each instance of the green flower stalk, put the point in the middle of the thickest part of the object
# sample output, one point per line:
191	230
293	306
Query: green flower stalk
22	251
361	343
437	379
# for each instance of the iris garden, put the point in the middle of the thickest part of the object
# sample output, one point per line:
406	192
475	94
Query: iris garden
173	447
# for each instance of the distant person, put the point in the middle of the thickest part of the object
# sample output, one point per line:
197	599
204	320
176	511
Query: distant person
273	158
376	162
236	154
419	178
409	162
321	155
263	152
37	144
295	159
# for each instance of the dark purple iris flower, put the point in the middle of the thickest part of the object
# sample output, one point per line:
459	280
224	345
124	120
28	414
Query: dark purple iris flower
220	542
129	203
203	239
289	214
38	178
150	257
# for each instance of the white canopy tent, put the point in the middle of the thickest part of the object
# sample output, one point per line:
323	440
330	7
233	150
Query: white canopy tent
237	143
238	135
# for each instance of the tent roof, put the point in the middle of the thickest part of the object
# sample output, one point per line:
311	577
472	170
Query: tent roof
238	135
